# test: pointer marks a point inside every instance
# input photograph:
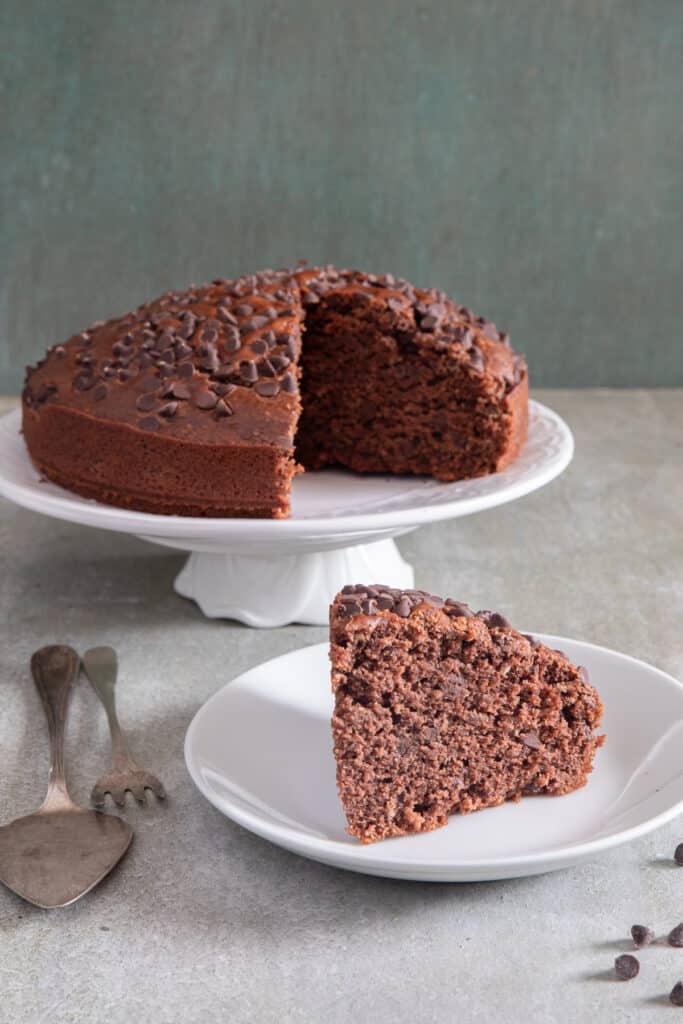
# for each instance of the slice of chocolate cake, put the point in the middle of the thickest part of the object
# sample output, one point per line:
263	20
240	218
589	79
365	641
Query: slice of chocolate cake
439	711
397	379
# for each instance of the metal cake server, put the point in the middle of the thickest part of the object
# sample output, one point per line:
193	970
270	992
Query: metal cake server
61	851
101	667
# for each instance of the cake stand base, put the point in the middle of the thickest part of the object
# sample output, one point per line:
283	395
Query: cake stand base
277	590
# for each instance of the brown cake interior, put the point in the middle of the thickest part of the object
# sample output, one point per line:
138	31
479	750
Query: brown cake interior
378	396
439	711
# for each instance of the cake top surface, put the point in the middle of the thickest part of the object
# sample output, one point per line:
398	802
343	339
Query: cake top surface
214	362
433	320
218	362
366	600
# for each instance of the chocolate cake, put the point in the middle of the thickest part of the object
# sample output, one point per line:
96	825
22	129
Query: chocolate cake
439	711
191	404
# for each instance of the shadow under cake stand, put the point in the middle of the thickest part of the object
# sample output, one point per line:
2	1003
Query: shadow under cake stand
269	572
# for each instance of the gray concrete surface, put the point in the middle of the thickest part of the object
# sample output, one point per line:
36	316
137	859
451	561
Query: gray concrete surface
207	923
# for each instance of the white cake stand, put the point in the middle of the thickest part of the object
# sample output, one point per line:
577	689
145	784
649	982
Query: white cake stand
269	572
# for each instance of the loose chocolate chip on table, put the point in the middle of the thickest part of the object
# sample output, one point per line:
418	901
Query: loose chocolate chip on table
626	967
145	403
678	854
267	388
149	423
676	994
675	936
205	400
642	935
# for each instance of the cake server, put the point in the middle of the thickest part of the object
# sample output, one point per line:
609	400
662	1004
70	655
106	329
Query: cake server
125	775
61	851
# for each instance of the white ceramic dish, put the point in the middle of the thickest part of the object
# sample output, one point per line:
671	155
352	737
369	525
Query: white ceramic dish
260	751
267	572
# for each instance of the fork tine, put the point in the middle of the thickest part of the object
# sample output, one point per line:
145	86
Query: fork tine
97	796
156	786
138	792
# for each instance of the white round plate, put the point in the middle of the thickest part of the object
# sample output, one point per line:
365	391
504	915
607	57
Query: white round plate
329	507
260	751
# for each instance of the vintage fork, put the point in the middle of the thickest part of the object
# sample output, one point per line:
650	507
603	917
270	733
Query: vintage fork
125	775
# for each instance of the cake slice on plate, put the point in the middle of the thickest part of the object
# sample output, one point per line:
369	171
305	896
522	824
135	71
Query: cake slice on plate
439	711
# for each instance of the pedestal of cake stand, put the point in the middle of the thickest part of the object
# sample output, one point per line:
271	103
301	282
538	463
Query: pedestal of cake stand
278	589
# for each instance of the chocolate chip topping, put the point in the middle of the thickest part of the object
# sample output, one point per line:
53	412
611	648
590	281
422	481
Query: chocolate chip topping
267	388
149	423
678	854
145	402
676	994
205	399
675	936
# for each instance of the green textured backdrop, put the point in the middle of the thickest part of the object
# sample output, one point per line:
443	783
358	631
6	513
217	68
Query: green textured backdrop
526	155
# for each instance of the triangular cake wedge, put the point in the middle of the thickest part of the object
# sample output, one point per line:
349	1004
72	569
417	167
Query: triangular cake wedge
439	711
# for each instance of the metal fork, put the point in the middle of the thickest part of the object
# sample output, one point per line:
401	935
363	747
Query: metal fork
125	775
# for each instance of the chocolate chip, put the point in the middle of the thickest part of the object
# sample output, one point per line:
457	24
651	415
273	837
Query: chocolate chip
385	602
205	400
222	409
149	423
120	348
434	602
642	935
626	967
254	323
531	740
678	854
493	619
244	310
224	314
185	370
676	994
169	409
266	368
309	297
188	328
260	347
675	936
167	356
182	351
83	382
59	351
476	358
403	608
222	389
280	362
145	403
288	383
395	304
249	371
150	384
489	331
176	390
100	392
369	607
127	373
145	360
108	371
458	610
267	388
